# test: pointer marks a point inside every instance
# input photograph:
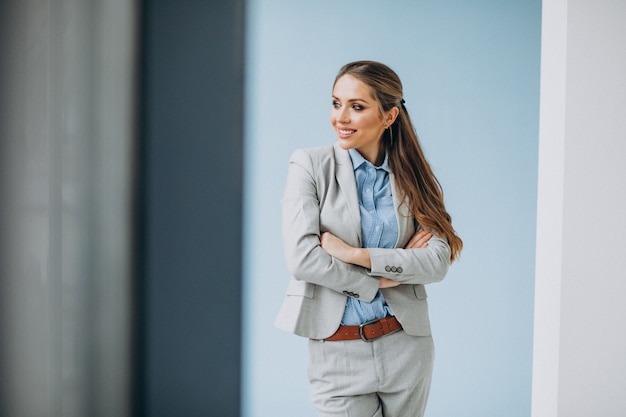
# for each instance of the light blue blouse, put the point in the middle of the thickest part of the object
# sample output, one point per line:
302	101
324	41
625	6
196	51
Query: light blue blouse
379	229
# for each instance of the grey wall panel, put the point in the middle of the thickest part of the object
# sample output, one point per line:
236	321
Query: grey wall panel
66	128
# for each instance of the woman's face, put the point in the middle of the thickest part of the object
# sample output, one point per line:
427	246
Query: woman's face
356	117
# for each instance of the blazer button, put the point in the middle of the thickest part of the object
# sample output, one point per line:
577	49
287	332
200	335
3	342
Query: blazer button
355	295
388	268
346	293
393	269
399	270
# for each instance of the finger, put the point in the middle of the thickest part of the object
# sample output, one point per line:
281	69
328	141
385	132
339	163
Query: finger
387	283
423	242
420	239
416	237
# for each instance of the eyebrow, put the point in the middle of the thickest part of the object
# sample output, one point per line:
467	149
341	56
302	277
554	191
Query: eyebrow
352	100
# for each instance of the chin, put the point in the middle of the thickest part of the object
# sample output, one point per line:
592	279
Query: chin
345	145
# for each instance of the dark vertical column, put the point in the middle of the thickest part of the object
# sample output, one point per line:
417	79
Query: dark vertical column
190	208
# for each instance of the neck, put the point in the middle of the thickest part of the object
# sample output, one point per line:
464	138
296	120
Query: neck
373	157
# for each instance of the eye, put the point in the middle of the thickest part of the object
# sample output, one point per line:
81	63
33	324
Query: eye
357	107
336	104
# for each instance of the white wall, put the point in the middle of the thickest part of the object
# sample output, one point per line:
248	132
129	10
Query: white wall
580	342
471	76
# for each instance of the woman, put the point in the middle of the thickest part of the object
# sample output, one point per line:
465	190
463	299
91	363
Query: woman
364	228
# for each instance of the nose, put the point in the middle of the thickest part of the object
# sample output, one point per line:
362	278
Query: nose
343	115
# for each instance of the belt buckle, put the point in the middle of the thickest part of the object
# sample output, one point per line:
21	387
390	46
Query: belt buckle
361	326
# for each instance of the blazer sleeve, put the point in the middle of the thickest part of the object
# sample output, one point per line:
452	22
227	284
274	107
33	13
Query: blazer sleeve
412	266
306	260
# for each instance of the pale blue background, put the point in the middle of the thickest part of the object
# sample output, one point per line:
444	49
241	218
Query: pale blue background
470	70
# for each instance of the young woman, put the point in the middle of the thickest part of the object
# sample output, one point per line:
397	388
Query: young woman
364	228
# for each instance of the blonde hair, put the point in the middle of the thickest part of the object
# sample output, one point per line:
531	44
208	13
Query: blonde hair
413	175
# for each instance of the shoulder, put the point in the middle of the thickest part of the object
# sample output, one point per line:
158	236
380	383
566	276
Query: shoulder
315	157
323	153
315	153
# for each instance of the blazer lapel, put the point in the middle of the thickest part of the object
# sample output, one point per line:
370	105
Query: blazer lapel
347	184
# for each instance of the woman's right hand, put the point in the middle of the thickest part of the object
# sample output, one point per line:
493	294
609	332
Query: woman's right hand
419	240
387	283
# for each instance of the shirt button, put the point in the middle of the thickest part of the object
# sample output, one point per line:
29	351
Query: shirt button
377	228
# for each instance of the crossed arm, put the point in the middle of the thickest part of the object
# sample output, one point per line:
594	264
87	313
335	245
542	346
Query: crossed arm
339	249
318	258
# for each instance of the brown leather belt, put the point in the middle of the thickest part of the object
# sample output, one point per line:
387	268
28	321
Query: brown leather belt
367	331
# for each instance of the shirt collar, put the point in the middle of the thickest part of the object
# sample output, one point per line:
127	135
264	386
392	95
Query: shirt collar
358	160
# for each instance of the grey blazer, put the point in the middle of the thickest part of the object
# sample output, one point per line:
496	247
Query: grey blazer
320	196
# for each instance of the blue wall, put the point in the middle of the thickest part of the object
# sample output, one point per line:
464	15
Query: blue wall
470	70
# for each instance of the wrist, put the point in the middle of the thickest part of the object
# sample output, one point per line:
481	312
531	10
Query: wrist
361	257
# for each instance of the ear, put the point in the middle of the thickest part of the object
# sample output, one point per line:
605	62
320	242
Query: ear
391	116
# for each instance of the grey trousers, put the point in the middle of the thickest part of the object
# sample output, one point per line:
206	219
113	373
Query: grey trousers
388	377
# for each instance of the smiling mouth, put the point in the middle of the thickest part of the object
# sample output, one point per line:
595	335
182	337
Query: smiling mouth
346	131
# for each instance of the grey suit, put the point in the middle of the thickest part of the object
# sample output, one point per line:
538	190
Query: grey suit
321	195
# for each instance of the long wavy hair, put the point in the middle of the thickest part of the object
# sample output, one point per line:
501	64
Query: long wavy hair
413	175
